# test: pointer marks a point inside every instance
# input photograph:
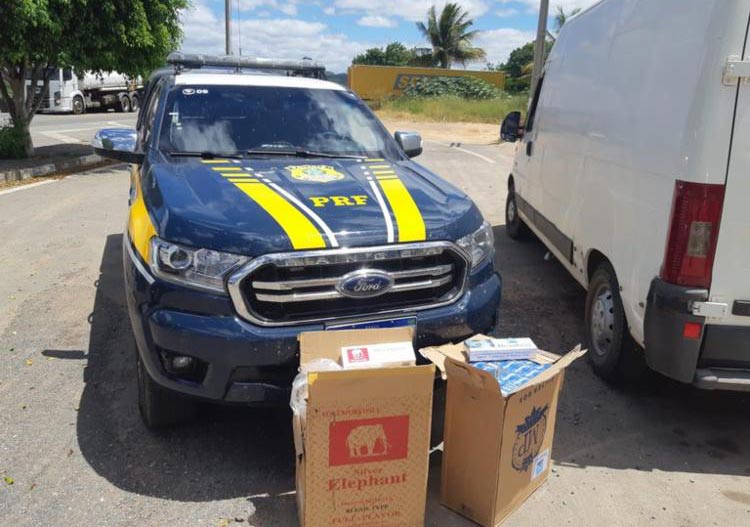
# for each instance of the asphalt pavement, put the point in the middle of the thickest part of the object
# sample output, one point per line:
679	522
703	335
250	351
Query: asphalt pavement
74	452
52	129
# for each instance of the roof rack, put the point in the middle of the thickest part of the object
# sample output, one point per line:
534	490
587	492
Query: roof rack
305	67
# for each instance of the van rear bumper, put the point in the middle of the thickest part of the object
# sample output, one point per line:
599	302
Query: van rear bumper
718	360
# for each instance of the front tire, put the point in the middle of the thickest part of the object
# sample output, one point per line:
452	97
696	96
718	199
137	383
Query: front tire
515	228
613	353
78	105
160	408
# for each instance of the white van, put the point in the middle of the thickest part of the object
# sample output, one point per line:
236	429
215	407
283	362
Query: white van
634	170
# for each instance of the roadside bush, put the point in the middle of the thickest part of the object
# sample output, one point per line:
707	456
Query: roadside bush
11	142
463	87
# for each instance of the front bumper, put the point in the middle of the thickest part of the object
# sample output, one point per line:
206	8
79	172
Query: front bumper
255	365
718	360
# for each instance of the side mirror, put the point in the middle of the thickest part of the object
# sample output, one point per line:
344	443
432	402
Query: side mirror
117	143
410	143
511	130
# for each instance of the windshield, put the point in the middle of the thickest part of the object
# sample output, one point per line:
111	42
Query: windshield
238	119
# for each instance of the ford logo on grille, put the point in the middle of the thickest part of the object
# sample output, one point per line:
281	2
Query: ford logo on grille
365	283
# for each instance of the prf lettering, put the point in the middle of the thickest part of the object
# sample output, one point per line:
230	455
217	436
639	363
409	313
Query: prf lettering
339	201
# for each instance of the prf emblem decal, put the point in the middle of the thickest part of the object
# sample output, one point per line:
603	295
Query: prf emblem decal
529	438
315	173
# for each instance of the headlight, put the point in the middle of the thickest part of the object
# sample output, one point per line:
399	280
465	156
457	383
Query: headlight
198	268
479	245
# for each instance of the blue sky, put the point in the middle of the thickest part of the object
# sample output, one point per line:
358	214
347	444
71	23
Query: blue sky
333	31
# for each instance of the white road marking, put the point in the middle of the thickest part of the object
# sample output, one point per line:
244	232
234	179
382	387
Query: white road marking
465	151
25	187
62	138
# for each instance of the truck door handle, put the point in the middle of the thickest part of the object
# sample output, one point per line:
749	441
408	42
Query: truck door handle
529	148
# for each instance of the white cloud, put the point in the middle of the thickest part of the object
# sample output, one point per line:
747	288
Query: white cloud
288	7
567	5
376	21
498	43
413	10
506	12
274	37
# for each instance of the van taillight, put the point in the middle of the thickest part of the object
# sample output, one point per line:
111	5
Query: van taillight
693	233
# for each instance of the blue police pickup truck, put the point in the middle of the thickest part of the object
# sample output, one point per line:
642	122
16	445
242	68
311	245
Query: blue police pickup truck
266	201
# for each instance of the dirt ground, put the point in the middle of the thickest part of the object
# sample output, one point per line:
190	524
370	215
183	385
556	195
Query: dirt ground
465	133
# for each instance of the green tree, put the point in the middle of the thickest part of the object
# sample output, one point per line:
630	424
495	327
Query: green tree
394	54
450	36
519	66
129	36
561	17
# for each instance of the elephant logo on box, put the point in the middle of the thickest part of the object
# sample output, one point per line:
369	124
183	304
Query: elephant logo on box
368	440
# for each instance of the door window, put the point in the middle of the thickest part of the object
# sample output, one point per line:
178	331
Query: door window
533	106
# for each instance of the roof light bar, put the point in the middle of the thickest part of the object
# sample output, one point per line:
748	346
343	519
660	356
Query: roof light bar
186	60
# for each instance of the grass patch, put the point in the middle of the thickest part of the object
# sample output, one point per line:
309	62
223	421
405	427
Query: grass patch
453	109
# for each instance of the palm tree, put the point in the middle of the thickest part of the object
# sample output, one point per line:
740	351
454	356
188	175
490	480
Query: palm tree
561	17
450	36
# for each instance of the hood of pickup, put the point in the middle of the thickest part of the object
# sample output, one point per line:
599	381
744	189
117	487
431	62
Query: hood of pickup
257	206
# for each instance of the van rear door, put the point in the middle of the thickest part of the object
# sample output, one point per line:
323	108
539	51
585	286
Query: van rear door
730	284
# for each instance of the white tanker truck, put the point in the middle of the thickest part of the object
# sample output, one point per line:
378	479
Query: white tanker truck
70	93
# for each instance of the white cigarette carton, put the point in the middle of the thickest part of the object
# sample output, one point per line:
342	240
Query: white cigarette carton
490	349
388	355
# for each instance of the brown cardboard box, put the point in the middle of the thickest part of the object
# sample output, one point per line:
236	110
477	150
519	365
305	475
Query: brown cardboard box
362	451
496	449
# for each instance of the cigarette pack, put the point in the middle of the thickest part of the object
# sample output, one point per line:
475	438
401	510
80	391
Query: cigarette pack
491	349
388	355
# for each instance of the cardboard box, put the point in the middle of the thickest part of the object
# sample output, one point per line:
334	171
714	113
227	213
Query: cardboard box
387	355
362	452
497	447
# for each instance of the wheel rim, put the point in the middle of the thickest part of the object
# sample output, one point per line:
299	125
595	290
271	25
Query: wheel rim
602	321
77	105
511	210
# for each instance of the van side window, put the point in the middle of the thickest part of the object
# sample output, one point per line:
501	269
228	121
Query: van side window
533	106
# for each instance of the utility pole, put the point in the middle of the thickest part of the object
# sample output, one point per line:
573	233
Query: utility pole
539	47
228	25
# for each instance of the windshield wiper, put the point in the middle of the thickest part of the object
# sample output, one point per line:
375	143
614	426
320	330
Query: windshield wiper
206	155
301	152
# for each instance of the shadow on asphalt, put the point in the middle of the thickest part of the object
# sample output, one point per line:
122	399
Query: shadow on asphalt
659	424
237	452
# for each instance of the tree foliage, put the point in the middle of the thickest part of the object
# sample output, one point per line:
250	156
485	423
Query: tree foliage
394	54
561	17
129	36
450	36
518	67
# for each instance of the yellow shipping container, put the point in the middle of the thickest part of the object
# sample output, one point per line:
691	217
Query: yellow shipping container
376	82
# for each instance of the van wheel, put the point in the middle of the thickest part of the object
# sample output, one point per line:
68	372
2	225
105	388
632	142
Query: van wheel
160	408
78	106
613	353
515	228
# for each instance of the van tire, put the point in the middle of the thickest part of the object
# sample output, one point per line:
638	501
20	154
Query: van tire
160	408
613	354
515	228
79	107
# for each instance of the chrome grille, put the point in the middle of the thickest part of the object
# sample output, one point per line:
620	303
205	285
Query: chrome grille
295	288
